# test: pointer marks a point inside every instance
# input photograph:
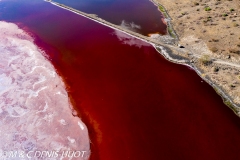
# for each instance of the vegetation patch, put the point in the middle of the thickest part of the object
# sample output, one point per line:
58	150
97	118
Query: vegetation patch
235	25
225	14
216	69
207	9
171	32
226	101
205	60
230	105
214	49
161	8
196	3
234	50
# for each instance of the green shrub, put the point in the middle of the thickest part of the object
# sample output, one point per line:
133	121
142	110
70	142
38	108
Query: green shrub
230	105
216	69
207	9
205	60
225	14
171	33
161	9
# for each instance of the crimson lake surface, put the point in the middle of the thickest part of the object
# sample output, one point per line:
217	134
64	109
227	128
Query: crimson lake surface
136	104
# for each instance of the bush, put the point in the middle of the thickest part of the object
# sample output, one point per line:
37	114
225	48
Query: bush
230	105
225	14
214	49
196	3
207	9
205	60
216	69
235	25
234	50
215	40
171	32
209	18
161	9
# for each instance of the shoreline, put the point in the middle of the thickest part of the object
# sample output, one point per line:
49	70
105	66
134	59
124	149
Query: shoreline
227	100
167	18
169	50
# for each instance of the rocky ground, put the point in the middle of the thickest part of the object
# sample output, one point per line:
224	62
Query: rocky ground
210	32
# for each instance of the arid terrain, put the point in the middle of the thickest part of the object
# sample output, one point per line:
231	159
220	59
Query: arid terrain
210	31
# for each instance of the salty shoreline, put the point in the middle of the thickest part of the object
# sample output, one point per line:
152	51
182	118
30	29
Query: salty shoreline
168	49
218	90
201	69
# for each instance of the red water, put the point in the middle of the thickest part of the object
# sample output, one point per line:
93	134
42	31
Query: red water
142	13
136	105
